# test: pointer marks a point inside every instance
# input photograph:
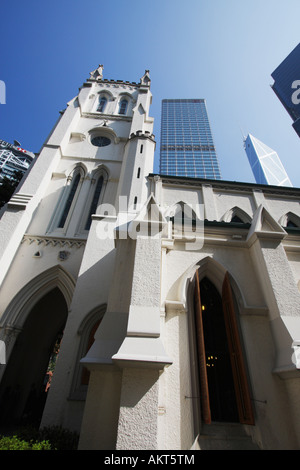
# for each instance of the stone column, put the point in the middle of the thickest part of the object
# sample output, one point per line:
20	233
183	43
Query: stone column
278	285
142	355
283	300
143	345
138	418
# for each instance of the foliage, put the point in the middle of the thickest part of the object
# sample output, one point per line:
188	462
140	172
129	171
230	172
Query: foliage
60	439
15	443
48	438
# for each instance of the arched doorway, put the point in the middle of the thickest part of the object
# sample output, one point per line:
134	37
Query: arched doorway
218	368
23	389
224	389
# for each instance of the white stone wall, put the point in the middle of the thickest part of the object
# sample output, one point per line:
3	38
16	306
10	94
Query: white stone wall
226	248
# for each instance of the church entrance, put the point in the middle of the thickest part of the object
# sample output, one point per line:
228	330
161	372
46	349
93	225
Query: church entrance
218	368
27	378
224	390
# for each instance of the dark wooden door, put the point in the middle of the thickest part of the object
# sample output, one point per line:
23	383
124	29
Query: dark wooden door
236	356
204	393
240	380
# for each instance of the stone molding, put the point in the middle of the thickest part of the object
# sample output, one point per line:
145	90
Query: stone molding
54	241
19	201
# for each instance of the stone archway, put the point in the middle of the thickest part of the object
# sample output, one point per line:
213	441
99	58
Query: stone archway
23	387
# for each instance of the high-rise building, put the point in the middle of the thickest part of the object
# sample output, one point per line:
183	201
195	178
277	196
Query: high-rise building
287	85
13	159
187	146
265	163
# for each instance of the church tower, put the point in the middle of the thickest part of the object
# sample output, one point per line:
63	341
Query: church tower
58	247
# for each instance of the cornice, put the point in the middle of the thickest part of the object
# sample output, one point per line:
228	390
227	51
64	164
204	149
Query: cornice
111	117
54	241
91	159
142	135
114	83
226	185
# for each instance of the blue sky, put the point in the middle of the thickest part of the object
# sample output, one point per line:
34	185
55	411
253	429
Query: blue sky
220	50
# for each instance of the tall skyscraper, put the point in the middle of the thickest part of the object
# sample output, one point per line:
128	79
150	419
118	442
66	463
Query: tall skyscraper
265	163
187	147
13	158
287	85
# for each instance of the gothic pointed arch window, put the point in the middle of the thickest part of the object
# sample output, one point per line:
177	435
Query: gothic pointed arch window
123	105
94	202
184	217
70	195
98	183
101	104
86	333
237	215
290	221
85	375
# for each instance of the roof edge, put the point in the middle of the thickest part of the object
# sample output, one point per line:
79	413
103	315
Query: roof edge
264	187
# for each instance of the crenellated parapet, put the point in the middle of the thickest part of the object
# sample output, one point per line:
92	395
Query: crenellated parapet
142	135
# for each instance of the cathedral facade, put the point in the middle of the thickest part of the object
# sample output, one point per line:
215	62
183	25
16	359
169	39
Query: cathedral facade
169	306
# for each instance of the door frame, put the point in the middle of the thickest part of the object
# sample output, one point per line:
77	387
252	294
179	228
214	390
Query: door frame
238	364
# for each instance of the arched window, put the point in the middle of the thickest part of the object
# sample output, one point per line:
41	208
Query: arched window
123	106
85	375
184	217
94	203
235	218
102	104
290	221
237	215
86	333
70	198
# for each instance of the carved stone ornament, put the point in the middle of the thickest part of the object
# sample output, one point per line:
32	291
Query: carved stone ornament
145	80
97	74
63	255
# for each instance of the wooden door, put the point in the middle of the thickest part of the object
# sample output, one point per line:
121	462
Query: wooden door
204	393
241	384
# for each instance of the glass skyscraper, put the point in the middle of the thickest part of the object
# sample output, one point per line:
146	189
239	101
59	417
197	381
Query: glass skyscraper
186	146
265	163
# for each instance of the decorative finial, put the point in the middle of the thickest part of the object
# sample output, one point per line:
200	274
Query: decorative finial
97	74
145	80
